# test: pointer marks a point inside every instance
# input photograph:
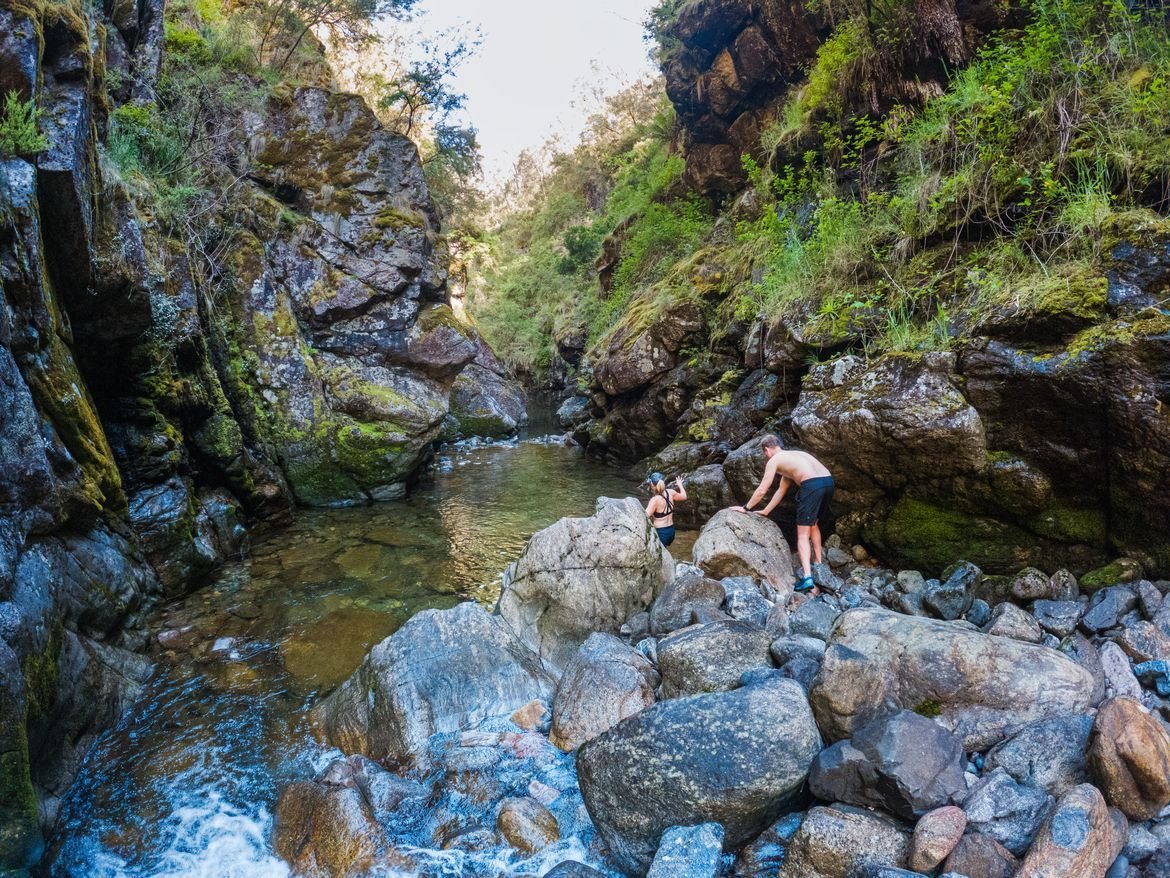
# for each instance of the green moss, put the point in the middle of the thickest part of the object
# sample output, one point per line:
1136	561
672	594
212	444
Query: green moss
1072	524
928	707
372	454
933	537
397	219
1113	573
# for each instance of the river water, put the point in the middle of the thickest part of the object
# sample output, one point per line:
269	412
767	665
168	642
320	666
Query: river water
186	783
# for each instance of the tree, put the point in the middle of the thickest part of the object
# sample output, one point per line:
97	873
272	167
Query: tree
422	92
285	23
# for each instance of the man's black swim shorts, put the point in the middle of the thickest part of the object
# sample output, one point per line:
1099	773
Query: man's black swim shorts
812	500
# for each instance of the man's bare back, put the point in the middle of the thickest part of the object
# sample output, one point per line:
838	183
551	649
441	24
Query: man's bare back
796	466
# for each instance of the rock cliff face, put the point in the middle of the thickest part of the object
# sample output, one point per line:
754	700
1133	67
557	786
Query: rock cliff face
728	64
1035	438
154	396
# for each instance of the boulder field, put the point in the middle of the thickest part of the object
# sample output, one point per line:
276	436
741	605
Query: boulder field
676	723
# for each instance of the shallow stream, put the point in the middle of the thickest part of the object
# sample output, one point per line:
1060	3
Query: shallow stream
186	784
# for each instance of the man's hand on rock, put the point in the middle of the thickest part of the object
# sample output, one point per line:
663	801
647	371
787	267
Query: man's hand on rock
738	509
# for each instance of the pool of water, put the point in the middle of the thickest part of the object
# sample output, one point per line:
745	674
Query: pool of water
186	783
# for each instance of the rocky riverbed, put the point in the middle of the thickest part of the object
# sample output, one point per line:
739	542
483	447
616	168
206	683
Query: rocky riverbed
697	718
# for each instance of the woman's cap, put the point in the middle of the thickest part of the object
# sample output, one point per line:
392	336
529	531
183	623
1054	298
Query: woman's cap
655	478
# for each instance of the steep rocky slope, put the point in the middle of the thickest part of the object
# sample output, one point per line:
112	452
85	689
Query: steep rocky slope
160	390
1012	416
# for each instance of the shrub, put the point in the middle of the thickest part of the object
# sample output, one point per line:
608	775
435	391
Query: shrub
19	134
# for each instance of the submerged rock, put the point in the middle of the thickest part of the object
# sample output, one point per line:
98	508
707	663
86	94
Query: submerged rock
527	825
684	762
980	687
583	575
444	670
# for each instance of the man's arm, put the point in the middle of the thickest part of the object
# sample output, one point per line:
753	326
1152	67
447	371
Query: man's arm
765	482
777	497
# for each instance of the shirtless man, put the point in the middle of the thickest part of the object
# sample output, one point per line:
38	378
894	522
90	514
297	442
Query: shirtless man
814	491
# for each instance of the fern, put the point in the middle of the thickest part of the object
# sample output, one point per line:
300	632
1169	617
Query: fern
19	135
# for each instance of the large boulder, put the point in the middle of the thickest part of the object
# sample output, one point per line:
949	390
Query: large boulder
711	657
605	682
1130	757
583	575
1081	839
905	764
839	841
745	544
733	758
1049	754
485	399
442	671
982	688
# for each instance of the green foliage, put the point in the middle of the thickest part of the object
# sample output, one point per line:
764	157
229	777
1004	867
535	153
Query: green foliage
19	134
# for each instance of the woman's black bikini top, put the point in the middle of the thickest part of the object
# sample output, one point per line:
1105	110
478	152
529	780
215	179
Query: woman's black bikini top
669	506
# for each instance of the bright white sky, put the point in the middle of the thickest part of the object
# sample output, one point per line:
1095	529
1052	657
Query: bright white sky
537	58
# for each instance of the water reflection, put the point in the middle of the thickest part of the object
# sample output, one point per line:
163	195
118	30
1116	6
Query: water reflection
185	784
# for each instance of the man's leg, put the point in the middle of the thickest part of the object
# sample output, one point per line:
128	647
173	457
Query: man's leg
803	536
816	542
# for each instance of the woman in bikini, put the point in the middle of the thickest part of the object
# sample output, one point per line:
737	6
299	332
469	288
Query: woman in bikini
660	509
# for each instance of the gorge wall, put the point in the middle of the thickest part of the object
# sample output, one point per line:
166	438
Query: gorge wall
162	390
1036	432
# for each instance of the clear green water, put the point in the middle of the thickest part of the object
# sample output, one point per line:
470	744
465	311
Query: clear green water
186	783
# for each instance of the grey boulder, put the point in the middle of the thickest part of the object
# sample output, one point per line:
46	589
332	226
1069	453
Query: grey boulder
686	761
981	688
1005	811
444	670
605	682
840	841
711	657
689	592
1049	754
745	544
905	764
582	575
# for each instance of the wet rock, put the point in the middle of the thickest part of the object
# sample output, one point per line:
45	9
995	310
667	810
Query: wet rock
838	841
605	682
1005	811
1130	758
1049	754
1058	618
982	688
1008	620
686	756
573	412
935	835
905	764
1107	607
815	618
676	606
1122	570
485	399
533	715
710	658
979	614
746	544
570	869
952	598
1081	839
583	575
688	852
976	854
440	672
744	600
527	825
326	830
